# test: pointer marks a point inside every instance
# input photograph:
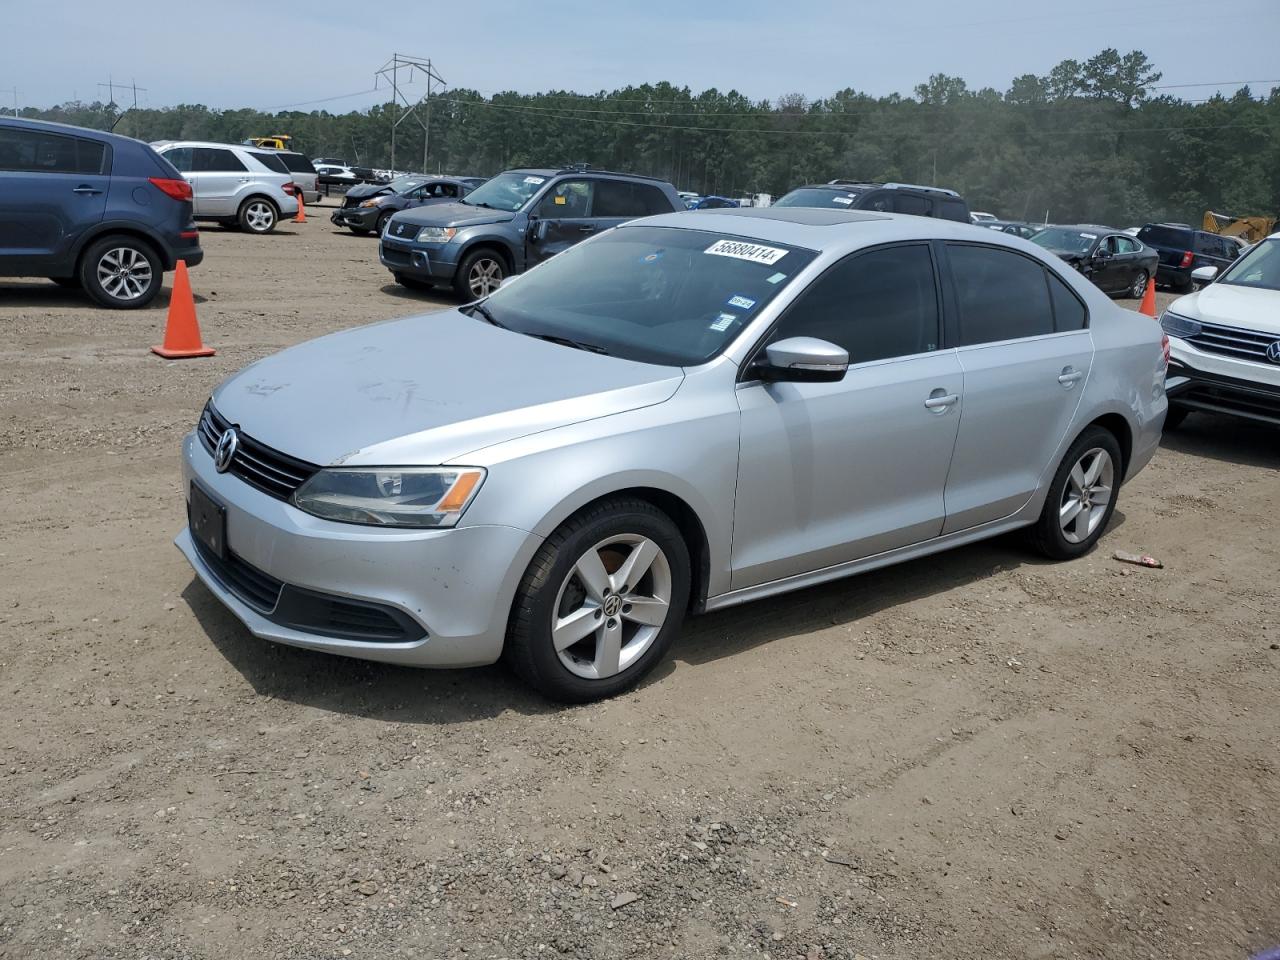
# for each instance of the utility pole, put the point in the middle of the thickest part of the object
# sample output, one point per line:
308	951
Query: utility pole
124	87
390	72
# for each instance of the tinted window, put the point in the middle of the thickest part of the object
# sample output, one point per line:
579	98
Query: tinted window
819	197
616	198
214	160
567	200
296	163
1068	312
1001	295
876	305
953	210
180	157
909	203
36	152
1165	236
271	161
881	202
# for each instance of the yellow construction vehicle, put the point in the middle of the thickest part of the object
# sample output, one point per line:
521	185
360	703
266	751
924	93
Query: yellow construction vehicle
1248	229
279	142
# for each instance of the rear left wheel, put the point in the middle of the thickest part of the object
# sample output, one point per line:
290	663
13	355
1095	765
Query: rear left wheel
1139	288
258	215
121	272
601	602
1082	497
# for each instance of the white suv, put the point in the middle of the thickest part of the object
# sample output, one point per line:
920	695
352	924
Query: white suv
1225	340
234	184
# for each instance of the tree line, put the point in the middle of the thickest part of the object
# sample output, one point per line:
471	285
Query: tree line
1091	141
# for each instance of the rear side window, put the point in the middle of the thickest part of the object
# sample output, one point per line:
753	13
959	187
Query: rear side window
954	210
876	305
272	161
1068	312
214	160
910	203
617	198
1165	237
296	163
32	151
1001	295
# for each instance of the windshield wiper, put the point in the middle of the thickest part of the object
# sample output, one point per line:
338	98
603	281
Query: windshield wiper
487	315
568	342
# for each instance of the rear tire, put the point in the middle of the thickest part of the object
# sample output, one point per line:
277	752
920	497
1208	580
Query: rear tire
121	272
1082	497
577	633
258	215
1138	289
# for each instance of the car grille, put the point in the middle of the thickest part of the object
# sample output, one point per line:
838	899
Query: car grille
1232	342
400	258
351	201
258	465
259	590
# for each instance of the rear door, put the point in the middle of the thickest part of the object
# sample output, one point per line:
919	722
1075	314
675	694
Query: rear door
219	176
561	218
1026	352
52	187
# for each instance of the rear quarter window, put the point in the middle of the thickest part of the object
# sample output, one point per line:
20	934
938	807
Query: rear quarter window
1166	237
296	163
271	161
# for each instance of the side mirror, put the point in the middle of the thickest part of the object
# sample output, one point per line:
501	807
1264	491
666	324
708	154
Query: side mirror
538	231
803	360
1102	253
1204	274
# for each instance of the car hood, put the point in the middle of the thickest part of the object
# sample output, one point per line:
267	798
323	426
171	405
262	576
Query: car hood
428	389
366	190
453	214
1071	256
1251	308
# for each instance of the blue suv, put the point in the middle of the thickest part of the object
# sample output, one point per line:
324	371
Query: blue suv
92	210
514	222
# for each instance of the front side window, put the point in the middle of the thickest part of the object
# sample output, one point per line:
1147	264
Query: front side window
215	160
1001	295
507	191
567	200
875	305
1260	267
651	294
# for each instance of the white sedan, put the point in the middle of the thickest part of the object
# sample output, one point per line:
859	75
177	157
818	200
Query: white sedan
1225	340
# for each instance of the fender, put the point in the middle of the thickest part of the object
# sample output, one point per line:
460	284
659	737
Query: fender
134	227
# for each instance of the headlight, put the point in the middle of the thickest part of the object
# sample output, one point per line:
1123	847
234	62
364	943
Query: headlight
390	497
1179	326
373	201
437	234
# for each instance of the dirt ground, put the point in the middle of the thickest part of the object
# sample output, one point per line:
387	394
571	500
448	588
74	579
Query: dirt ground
977	755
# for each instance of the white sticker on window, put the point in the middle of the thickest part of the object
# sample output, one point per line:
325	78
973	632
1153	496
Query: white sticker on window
536	181
742	303
777	278
847	201
753	252
1089	236
723	322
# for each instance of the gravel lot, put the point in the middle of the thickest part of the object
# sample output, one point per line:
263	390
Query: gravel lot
977	755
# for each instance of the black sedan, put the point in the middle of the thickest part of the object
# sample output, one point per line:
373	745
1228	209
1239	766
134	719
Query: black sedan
1015	227
1117	263
367	209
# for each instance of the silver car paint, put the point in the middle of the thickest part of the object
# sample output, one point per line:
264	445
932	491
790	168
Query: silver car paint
565	427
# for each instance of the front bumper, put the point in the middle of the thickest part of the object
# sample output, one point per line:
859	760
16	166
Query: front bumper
416	260
362	218
452	588
1211	382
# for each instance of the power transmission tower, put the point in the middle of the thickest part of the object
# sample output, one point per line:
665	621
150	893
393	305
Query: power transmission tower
390	72
125	88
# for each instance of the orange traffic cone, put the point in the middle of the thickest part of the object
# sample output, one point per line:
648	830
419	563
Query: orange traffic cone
1149	299
182	330
301	215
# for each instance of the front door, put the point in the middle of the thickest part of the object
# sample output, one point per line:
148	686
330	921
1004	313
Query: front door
1026	353
831	472
561	218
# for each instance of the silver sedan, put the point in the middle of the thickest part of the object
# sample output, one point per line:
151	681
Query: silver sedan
684	413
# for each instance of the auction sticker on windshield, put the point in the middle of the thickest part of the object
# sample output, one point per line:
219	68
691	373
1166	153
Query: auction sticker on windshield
535	180
754	252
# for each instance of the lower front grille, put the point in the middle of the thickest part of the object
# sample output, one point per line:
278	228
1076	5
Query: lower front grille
259	590
398	257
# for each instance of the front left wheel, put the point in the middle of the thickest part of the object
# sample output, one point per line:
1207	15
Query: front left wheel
601	602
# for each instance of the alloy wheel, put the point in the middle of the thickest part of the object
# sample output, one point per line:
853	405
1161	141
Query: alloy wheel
259	216
1087	495
124	273
484	277
1139	289
611	606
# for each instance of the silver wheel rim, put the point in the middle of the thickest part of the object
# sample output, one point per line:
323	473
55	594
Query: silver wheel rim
1087	495
124	273
611	606
259	216
1139	286
484	277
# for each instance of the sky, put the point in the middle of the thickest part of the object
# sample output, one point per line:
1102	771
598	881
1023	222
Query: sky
246	53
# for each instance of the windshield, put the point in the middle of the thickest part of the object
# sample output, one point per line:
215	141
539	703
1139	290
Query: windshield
405	184
1260	267
506	191
1066	239
652	294
819	197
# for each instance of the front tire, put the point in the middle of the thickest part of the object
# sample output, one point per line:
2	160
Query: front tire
601	602
1082	497
480	274
121	272
257	215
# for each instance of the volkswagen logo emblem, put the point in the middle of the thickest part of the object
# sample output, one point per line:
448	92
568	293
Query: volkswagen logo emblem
612	605
1273	351
225	450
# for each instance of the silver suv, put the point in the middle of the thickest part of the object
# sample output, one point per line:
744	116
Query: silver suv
234	184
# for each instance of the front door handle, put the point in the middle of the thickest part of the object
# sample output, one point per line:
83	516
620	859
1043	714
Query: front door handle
943	401
84	189
1070	377
246	180
587	229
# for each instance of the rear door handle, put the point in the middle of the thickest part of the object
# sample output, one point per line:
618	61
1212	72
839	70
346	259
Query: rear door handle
587	229
941	403
85	189
1070	377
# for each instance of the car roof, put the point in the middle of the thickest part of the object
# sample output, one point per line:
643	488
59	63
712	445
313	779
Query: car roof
1095	227
69	129
827	230
215	144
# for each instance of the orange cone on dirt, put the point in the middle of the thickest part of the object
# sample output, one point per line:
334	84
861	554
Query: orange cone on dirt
300	216
181	329
1149	299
